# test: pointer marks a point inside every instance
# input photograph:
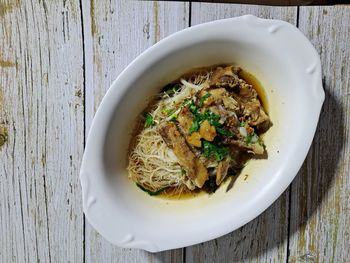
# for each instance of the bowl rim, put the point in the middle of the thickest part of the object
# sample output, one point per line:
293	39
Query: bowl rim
94	142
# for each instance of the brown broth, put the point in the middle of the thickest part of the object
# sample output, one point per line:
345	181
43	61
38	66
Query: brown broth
250	79
172	194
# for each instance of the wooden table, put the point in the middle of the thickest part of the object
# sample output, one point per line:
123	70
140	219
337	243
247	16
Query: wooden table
58	58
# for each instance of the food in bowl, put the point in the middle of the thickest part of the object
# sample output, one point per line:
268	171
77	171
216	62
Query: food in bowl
128	217
198	131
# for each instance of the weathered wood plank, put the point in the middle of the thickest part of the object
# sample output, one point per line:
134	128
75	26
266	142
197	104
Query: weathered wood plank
41	106
265	238
205	12
115	33
320	203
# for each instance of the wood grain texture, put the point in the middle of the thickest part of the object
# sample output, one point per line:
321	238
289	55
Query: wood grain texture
41	106
115	32
205	12
42	127
265	238
320	211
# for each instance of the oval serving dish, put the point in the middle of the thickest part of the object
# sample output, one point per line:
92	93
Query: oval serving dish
289	69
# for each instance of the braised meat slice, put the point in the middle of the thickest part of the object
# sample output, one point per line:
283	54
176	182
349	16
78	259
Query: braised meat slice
221	170
212	96
196	171
185	119
253	111
225	77
255	147
231	104
243	138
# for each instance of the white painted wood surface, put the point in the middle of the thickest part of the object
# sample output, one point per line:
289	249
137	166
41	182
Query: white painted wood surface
41	105
115	33
320	203
57	59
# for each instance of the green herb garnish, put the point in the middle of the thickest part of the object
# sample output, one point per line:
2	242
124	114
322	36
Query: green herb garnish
203	98
150	192
194	127
149	120
199	117
193	108
183	171
242	124
210	149
212	118
186	102
249	138
224	132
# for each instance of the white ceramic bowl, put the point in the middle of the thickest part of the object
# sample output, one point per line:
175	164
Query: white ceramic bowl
288	67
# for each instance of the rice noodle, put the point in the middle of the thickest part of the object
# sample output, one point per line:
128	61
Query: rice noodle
151	163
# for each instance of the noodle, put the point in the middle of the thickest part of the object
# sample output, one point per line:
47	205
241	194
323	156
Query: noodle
151	163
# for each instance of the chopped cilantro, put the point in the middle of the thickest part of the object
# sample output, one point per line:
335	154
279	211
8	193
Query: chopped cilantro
210	149
149	120
150	192
193	108
224	132
183	171
212	118
203	98
248	139
186	102
242	124
194	127
199	117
